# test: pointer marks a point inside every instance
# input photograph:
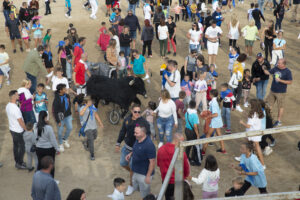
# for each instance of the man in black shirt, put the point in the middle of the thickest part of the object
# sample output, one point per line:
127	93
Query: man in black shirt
13	30
257	14
207	23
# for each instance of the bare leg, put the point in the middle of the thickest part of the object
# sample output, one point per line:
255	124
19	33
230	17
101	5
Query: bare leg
250	51
13	44
259	152
20	43
133	44
280	113
131	173
218	132
210	131
209	60
1	79
36	42
246	50
214	57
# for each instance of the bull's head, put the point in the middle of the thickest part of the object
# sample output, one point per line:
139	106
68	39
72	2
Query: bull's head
138	85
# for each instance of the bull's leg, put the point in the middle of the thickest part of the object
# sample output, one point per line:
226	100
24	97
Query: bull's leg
96	101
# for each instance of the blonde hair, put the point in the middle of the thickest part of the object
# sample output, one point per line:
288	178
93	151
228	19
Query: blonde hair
233	20
25	82
112	43
165	95
251	22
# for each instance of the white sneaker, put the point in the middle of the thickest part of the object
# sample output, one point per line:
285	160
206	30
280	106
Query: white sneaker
61	148
47	87
268	150
129	191
237	158
238	108
66	143
67	16
34	49
57	181
246	105
70	17
8	82
264	167
160	144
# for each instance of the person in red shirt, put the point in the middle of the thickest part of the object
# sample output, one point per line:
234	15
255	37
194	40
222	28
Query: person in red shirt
164	157
79	74
78	50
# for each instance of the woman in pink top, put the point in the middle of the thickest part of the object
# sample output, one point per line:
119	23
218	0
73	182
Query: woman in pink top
62	56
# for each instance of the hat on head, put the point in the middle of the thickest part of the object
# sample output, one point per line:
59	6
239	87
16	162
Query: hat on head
259	55
61	43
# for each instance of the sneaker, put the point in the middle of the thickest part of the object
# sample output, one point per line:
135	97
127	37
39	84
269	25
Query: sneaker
293	20
21	49
61	148
238	108
30	169
237	158
129	191
228	131
67	16
92	157
18	166
34	49
221	151
66	143
169	52
273	144
246	105
8	82
174	54
48	87
70	17
160	144
277	123
268	150
15	51
203	153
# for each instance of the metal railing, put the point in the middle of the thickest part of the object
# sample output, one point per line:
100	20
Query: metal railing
177	162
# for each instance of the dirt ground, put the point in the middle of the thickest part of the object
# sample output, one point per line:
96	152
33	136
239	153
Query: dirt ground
73	167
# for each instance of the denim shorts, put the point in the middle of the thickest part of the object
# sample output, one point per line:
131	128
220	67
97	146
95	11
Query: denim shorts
132	34
1	73
124	153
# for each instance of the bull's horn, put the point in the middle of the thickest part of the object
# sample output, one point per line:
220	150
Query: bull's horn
131	82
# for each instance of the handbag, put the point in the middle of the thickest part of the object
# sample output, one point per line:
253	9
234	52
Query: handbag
197	146
33	147
81	131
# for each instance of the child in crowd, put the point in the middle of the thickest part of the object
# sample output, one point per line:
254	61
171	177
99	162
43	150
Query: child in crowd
47	58
122	71
249	15
168	73
37	32
78	101
180	110
69	7
104	37
209	80
165	11
213	72
254	123
200	89
149	117
25	35
185	4
47	37
193	8
30	141
187	87
233	55
229	104
209	177
40	100
4	65
119	185
237	183
177	10
69	56
246	86
163	66
58	79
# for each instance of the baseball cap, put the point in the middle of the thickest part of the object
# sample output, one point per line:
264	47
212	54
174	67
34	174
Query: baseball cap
259	55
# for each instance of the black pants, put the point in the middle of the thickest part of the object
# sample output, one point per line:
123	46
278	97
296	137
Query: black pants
42	152
238	92
263	143
247	185
184	15
156	30
64	65
48	9
169	194
232	42
268	48
145	45
191	135
177	18
19	147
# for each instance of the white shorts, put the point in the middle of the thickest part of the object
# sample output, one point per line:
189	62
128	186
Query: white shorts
212	48
255	138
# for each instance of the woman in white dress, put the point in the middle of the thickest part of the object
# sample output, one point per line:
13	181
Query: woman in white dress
234	30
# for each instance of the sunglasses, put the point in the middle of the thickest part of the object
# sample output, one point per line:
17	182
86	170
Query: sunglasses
137	112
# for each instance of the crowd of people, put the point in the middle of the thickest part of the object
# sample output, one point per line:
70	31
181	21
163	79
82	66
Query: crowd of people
194	103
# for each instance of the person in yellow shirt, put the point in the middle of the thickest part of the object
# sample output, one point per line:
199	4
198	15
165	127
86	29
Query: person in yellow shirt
238	70
250	32
194	10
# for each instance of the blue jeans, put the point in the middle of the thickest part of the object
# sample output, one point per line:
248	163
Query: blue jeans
29	116
194	47
33	82
69	70
6	14
68	122
278	23
131	7
168	9
226	116
69	11
165	126
261	5
126	53
261	87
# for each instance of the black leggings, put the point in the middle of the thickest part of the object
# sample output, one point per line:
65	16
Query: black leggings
247	185
232	42
156	30
268	48
42	152
263	143
63	65
238	93
177	17
169	194
145	45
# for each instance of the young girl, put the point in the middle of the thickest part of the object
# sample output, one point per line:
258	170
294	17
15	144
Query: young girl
252	168
215	75
37	32
200	89
246	86
58	79
25	35
233	55
40	100
46	39
187	86
122	71
104	37
216	121
209	177
255	117
62	56
47	58
149	117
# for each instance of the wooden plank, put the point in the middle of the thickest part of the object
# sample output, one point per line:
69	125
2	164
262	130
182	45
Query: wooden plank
178	193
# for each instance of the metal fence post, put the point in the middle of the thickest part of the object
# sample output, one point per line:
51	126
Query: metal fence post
178	193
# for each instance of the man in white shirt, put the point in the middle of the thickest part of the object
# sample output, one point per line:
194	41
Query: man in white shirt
147	10
16	127
213	33
173	81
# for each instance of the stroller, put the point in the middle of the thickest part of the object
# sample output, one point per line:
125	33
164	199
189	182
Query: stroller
102	69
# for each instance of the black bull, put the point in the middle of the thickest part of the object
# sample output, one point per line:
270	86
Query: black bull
119	91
